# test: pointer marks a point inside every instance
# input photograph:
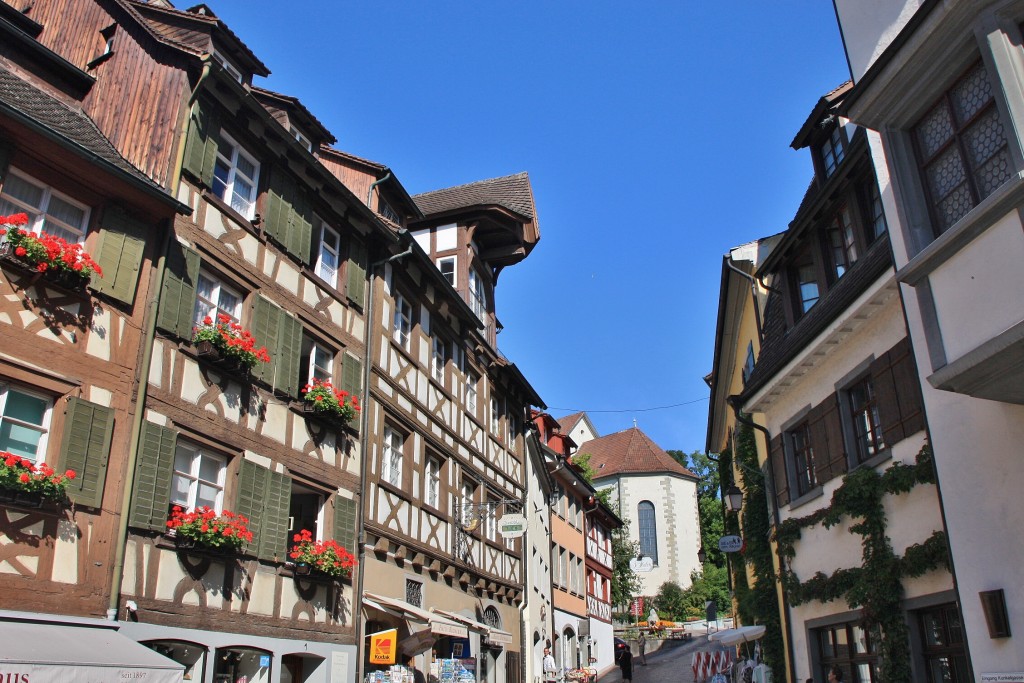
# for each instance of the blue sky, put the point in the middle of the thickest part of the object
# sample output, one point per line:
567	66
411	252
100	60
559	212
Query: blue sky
656	136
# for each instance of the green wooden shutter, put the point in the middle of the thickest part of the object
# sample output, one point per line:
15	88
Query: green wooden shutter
287	355
121	248
274	527
300	229
85	449
357	272
278	209
201	144
6	152
154	470
266	321
345	522
352	375
178	295
252	482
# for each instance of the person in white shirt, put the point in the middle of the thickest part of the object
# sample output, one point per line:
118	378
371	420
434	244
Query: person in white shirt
549	667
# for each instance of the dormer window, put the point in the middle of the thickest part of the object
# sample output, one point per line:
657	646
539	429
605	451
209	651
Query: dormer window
832	152
303	140
842	242
806	281
228	66
384	209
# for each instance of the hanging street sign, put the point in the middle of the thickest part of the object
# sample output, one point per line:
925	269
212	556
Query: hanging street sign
730	544
512	525
644	564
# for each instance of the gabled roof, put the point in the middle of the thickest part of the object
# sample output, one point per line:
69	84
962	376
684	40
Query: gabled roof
568	423
71	128
630	452
826	104
511	192
302	116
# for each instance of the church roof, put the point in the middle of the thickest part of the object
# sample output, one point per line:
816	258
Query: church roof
630	452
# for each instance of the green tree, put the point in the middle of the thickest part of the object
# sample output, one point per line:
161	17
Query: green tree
581	463
625	581
671	601
704	467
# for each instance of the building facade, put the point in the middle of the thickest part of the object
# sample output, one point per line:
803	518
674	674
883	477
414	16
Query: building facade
938	88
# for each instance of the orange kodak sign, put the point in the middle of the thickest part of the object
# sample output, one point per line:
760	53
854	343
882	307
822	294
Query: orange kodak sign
383	646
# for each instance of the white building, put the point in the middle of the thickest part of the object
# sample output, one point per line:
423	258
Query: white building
656	496
940	87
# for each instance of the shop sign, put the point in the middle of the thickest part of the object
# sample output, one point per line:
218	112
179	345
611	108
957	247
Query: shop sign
1008	677
496	638
383	646
644	564
512	525
730	544
443	629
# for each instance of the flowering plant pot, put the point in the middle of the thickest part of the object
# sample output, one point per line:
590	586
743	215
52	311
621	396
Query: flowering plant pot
204	528
63	262
27	483
320	557
228	342
322	398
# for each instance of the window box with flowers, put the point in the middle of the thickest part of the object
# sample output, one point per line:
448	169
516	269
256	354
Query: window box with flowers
320	558
54	258
204	529
26	484
228	345
332	406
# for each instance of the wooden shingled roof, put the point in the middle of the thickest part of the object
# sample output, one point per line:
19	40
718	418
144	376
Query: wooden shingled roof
630	452
511	192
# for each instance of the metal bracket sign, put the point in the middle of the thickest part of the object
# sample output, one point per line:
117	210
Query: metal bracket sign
730	544
645	564
512	525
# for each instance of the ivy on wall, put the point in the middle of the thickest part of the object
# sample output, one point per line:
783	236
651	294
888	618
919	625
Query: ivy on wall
757	603
876	587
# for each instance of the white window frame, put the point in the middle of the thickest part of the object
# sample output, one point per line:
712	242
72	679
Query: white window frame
321	503
454	272
471	382
491	520
323	353
432	482
248	206
192	476
392	457
228	66
466	500
327	236
303	140
495	415
214	302
511	431
401	328
39	219
43	429
438	357
477	295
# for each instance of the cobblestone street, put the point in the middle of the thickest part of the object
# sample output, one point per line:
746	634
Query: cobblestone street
670	664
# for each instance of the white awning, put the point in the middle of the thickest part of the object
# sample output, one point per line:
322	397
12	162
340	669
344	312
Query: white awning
737	636
438	624
494	635
47	652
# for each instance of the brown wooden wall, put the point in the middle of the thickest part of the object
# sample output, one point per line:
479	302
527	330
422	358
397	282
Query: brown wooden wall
139	91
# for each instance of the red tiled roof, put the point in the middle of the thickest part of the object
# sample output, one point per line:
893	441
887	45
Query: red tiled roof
512	192
568	423
630	452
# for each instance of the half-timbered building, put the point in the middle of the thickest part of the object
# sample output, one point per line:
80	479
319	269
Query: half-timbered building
269	241
445	418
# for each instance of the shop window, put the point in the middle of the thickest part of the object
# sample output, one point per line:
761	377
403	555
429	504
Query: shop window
190	655
242	664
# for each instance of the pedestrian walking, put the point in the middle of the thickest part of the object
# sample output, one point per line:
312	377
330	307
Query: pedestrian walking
626	665
642	641
549	667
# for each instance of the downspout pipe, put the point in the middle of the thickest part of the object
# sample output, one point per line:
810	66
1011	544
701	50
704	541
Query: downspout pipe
734	402
141	393
364	458
375	183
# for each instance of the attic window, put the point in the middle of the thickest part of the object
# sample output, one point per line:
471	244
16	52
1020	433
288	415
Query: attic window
303	140
107	34
228	66
384	209
832	152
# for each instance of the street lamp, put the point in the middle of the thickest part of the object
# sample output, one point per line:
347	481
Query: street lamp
701	555
733	498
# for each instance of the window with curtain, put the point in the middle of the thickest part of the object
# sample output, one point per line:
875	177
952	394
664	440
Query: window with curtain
648	527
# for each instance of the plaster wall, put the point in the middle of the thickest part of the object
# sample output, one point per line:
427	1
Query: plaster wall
537	625
678	525
976	444
986	269
869	26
